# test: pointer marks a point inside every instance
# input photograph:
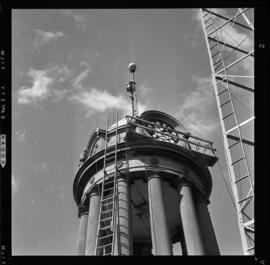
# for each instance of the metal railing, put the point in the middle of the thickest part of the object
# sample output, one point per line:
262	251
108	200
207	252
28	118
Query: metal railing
208	145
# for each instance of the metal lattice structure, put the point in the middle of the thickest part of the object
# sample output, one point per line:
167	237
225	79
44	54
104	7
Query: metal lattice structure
229	35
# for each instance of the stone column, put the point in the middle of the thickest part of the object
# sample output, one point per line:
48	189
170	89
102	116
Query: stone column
207	229
160	234
94	206
190	222
83	214
123	242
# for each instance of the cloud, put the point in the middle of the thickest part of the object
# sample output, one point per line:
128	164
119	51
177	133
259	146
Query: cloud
99	100
43	37
38	90
44	85
76	82
197	109
80	20
58	94
144	90
20	135
42	81
15	184
43	166
96	100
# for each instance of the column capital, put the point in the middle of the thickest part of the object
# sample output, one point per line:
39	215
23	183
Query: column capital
82	210
184	182
152	174
94	190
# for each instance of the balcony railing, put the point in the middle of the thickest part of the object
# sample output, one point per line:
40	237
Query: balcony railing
184	138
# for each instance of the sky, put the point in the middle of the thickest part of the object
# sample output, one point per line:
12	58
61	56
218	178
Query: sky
69	71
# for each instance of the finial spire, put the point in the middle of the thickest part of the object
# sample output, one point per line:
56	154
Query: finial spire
132	89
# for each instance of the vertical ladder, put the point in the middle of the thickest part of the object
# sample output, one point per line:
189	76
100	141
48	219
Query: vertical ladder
229	120
106	233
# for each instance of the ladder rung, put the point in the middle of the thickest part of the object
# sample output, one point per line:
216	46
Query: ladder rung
107	206
215	54
245	199
225	103
107	197
103	246
104	216
222	91
108	181
109	157
213	46
250	248
207	13
228	115
215	63
108	186
216	67
106	227
241	178
105	212
207	20
239	159
209	25
105	236
235	143
106	219
110	154
107	189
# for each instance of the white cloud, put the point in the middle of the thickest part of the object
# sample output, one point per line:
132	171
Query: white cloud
79	78
20	135
144	90
15	184
196	111
39	88
80	20
96	100
59	94
42	80
43	37
43	166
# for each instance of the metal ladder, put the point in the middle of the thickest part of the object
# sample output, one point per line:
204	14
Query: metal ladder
107	225
218	66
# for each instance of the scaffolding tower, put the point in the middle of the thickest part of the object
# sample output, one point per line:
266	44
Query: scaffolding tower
229	35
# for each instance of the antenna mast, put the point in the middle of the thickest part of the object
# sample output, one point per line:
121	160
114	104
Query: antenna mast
131	87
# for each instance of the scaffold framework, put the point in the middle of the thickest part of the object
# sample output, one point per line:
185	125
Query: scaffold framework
229	35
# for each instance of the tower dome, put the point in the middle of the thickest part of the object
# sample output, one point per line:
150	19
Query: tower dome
143	185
